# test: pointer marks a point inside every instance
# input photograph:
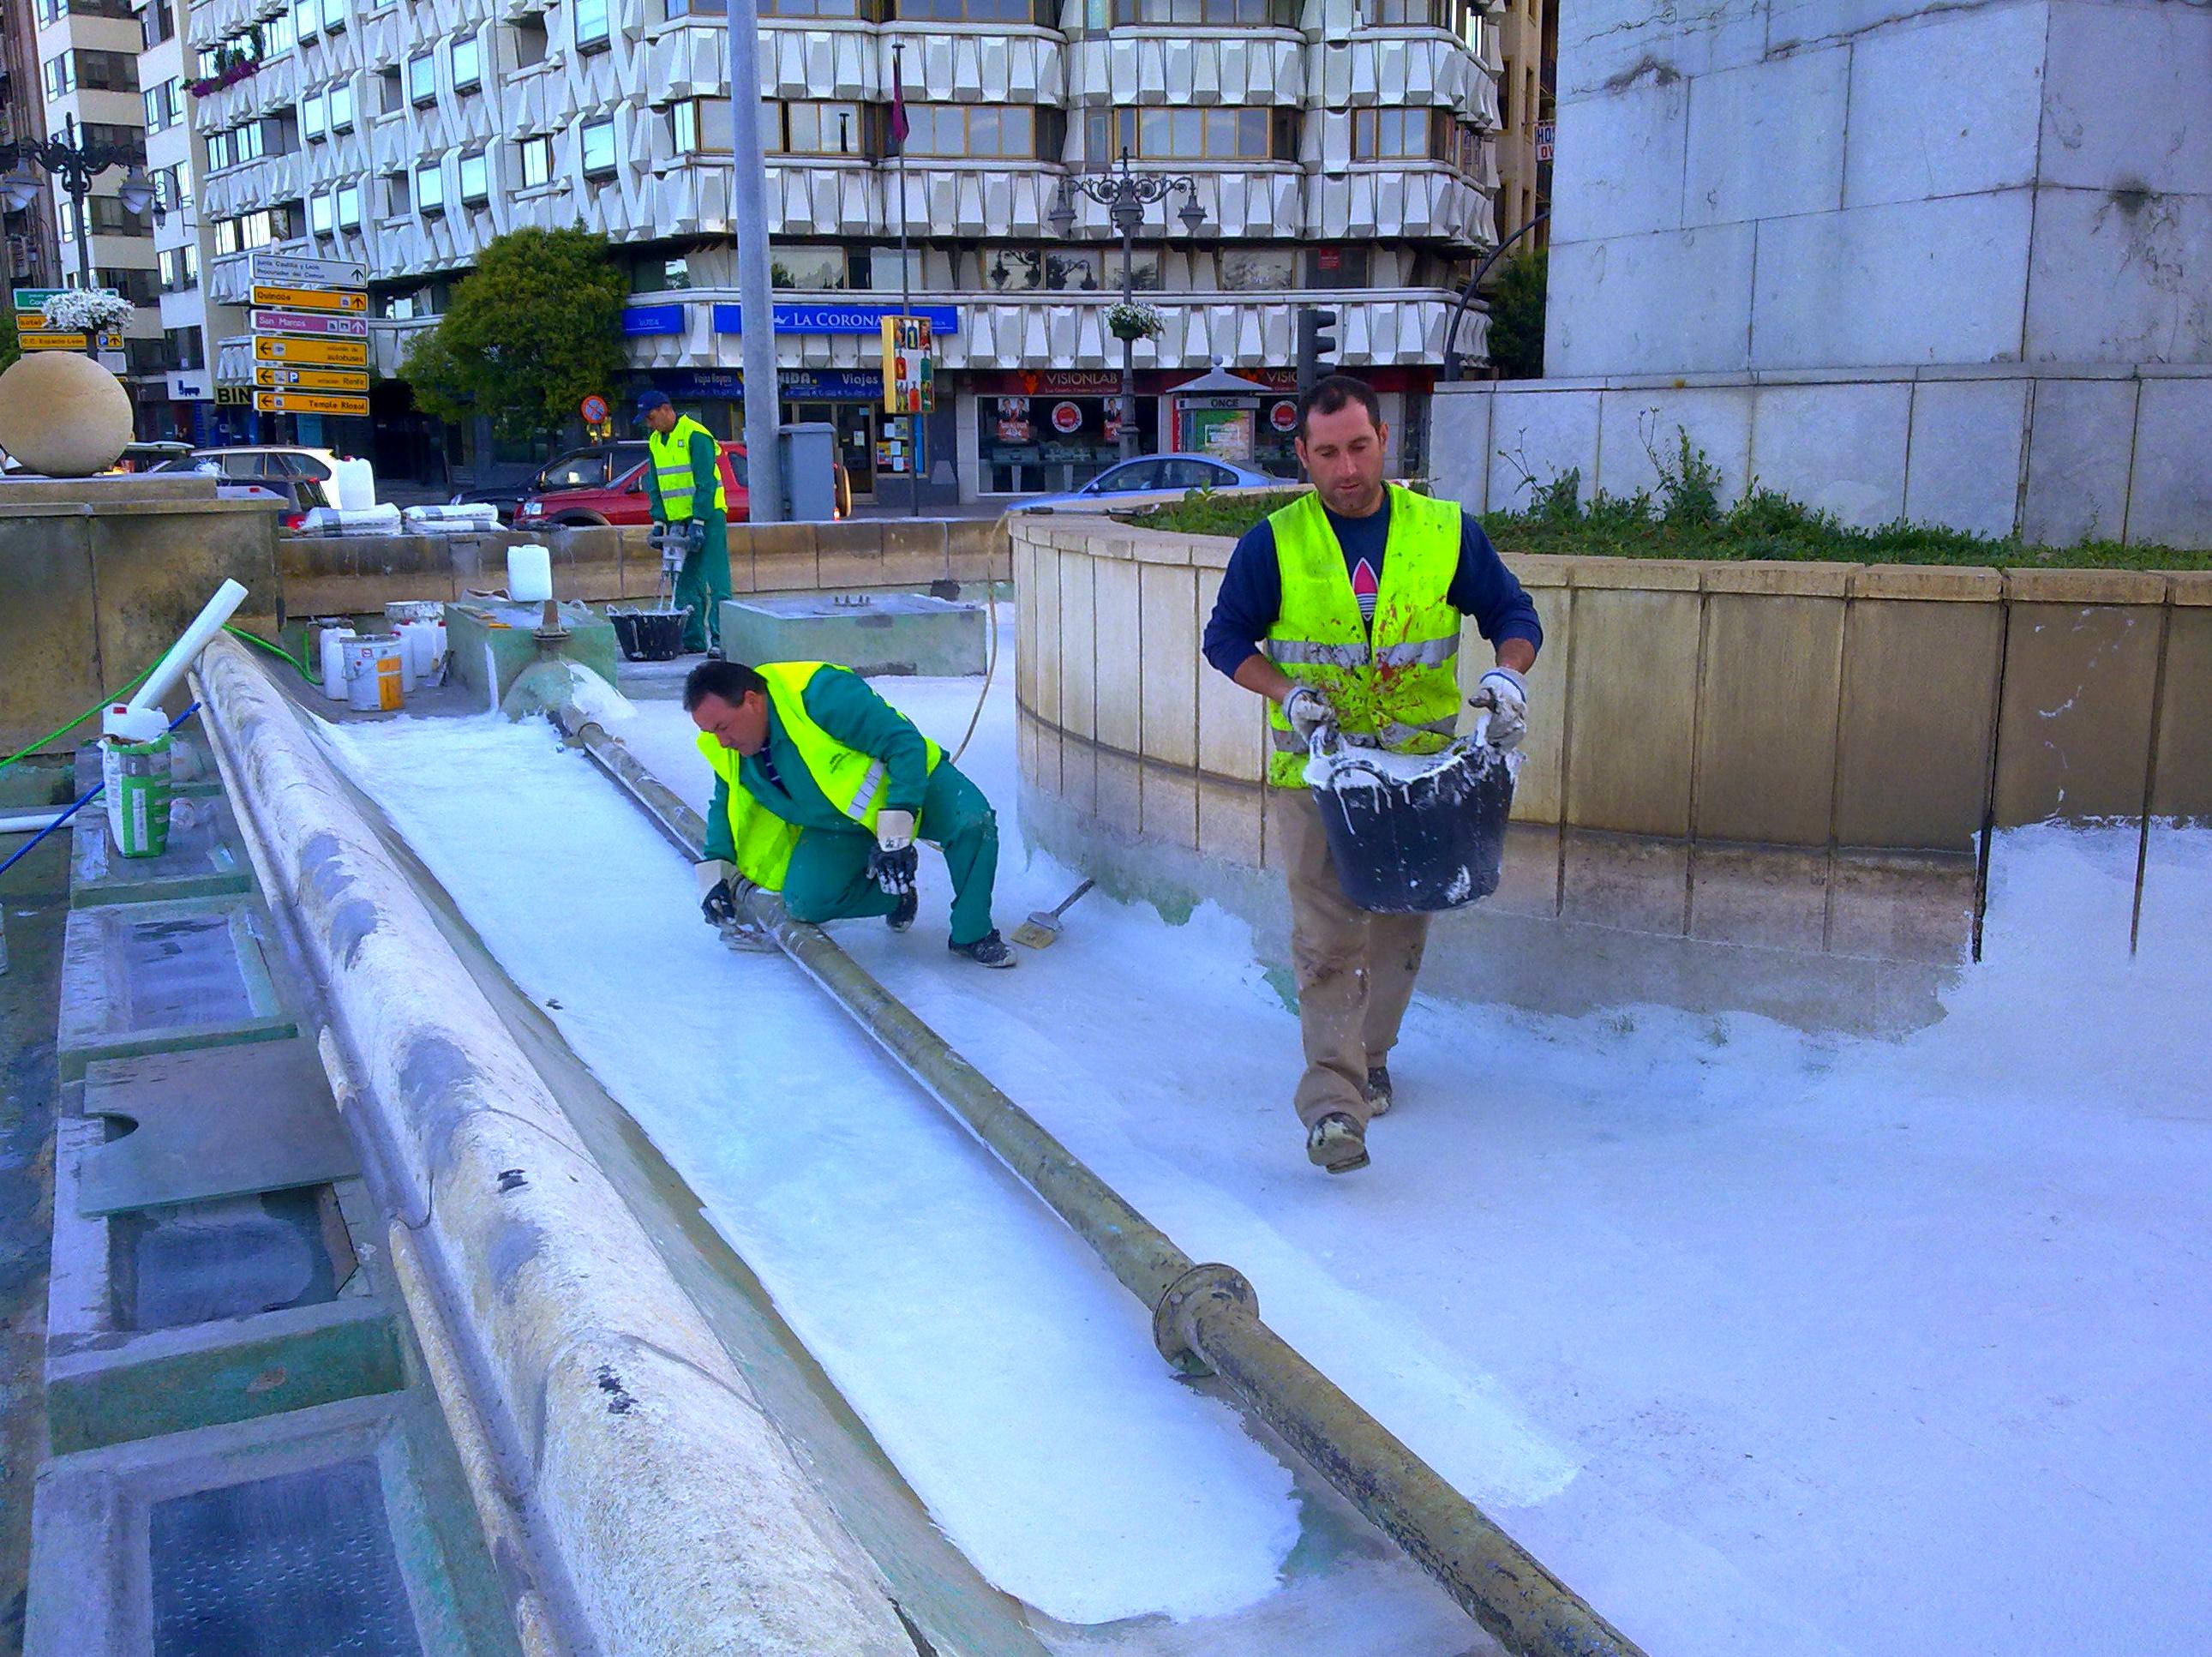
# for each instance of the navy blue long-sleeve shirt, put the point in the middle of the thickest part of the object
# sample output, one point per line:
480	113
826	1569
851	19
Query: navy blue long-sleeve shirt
1252	587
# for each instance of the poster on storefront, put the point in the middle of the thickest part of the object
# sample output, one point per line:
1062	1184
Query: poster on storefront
1013	419
909	374
1284	416
1225	434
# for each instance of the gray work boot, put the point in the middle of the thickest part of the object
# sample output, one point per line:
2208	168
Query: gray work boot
989	950
1378	1090
1337	1143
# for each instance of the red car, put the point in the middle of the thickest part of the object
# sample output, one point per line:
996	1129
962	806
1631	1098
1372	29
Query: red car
606	485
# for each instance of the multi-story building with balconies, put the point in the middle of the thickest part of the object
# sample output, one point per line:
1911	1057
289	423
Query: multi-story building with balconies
1341	153
87	66
31	260
167	71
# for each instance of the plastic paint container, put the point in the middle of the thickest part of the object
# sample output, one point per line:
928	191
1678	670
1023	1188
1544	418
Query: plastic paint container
374	675
529	575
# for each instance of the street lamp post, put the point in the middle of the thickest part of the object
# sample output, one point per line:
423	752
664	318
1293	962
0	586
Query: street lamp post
1125	195
73	166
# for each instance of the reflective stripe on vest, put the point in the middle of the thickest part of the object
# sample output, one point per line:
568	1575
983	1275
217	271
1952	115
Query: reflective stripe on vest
670	458
853	781
1398	686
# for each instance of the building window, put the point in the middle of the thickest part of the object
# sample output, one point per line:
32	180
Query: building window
392	89
984	131
815	129
860	9
536	156
131	140
1447	14
468	64
277	34
676	10
1055	269
322	216
1204	13
176	187
399	200
307	19
1258	269
659	276
877	270
528	38
180	268
1192	135
156	24
700	126
1400	135
430	189
61	75
599	144
476	178
422	79
312	118
185	351
218	151
1043	12
334	16
592	24
348	207
342	107
1338	267
808	270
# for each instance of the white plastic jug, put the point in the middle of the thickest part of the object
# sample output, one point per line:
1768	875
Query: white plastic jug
529	575
332	655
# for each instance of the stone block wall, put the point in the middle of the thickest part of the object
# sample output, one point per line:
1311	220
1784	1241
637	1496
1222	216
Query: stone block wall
1797	757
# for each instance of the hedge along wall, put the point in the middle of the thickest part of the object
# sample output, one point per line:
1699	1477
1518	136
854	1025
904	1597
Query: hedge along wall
1794	755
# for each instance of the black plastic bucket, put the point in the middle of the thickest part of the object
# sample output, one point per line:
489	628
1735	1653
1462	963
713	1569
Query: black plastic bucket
1431	842
650	635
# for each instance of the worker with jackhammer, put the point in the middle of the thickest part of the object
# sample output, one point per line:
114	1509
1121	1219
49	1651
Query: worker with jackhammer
813	745
1343	609
683	485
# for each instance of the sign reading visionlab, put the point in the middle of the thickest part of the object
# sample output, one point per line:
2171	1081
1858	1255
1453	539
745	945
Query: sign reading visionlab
839	318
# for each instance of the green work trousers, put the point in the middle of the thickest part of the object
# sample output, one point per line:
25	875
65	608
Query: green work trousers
827	880
704	582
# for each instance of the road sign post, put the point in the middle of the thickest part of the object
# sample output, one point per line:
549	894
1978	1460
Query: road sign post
310	322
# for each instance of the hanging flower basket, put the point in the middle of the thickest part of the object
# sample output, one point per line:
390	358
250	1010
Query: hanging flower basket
1130	318
230	70
79	310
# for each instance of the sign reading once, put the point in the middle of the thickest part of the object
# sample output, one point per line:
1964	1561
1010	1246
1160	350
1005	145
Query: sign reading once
295	402
320	353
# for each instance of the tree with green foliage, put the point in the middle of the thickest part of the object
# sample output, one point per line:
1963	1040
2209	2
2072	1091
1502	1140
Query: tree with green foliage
10	347
1516	317
531	332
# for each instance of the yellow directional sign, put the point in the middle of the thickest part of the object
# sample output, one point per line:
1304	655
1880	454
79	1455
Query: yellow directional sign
311	299
324	353
294	402
267	374
49	339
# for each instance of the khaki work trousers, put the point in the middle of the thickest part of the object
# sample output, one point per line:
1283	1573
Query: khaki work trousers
1355	970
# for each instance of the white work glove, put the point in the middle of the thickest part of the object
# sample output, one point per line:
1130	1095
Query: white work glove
718	890
894	864
1504	695
894	830
1309	712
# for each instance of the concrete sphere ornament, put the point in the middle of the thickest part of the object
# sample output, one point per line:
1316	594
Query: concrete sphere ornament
63	414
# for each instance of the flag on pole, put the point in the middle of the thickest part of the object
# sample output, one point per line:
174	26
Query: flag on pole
898	107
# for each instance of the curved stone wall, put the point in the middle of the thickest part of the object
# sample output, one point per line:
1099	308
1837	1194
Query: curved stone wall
1797	757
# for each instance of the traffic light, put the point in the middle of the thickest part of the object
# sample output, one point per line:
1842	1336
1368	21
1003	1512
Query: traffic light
1315	342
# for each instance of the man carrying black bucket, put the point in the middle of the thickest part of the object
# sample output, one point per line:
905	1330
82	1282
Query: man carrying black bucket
812	744
1356	592
685	492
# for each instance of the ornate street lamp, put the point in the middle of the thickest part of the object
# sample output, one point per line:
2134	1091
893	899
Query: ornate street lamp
73	166
1125	195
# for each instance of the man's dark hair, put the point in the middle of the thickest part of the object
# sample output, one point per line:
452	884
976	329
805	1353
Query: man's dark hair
729	680
1339	391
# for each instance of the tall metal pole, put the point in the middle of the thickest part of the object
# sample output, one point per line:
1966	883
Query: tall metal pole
1128	345
755	285
906	306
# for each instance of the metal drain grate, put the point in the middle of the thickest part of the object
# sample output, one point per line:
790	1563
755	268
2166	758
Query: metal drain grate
301	1565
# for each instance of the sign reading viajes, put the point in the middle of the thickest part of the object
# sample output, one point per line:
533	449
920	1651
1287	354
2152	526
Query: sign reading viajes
310	320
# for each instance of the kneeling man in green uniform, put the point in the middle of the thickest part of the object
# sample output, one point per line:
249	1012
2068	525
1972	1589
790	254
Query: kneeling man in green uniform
812	744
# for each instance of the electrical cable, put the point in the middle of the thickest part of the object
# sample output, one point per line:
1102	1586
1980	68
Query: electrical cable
990	667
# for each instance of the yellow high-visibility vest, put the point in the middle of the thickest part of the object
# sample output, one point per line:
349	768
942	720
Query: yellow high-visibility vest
1399	683
853	783
762	841
671	458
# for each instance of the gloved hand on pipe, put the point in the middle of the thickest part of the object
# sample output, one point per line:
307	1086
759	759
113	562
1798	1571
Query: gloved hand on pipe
694	534
718	890
1309	712
1504	695
894	864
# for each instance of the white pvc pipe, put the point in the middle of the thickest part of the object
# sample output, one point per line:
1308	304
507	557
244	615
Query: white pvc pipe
14	823
205	625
